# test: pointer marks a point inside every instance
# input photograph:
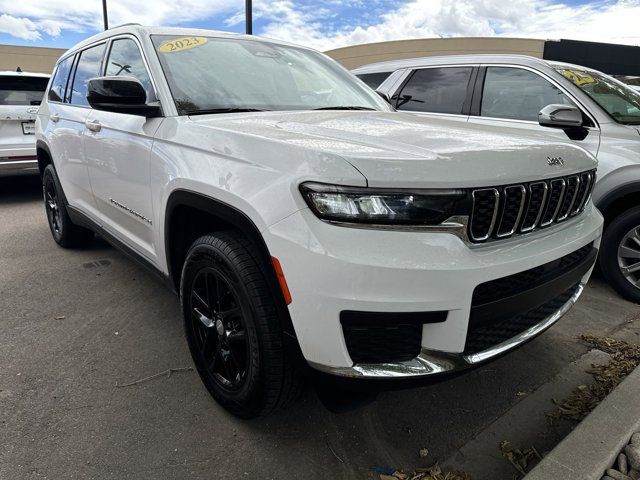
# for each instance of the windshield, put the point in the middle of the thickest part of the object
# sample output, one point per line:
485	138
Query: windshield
22	90
619	100
217	75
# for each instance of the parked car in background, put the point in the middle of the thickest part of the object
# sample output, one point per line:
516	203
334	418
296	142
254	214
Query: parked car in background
20	96
299	217
509	92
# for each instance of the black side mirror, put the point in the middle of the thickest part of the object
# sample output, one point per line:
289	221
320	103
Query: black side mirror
120	95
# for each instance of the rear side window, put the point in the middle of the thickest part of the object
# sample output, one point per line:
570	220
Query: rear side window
517	94
374	80
125	59
436	90
88	67
59	82
22	90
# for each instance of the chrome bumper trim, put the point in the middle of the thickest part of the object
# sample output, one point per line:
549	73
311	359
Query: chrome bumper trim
433	362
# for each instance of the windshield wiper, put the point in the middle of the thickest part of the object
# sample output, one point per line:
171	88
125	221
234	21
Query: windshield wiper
205	111
344	107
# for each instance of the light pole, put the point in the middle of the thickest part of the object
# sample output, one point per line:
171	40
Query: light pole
248	8
104	14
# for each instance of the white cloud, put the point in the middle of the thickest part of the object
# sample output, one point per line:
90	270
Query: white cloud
318	23
19	27
608	21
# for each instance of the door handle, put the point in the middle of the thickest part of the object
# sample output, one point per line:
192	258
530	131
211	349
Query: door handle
94	126
54	117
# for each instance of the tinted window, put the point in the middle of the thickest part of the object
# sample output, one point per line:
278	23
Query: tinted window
59	82
374	80
21	90
125	59
437	90
518	94
88	67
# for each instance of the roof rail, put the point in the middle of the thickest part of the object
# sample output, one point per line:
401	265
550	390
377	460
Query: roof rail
124	25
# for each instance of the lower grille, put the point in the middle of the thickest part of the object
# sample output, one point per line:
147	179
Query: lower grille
520	282
377	337
487	336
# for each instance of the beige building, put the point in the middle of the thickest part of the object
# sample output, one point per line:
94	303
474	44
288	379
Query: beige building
29	59
358	55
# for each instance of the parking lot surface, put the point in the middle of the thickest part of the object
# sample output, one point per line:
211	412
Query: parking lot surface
76	325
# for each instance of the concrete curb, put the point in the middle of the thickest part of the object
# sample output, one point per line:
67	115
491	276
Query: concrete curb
595	443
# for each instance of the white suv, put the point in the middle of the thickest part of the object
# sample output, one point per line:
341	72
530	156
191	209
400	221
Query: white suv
299	217
508	92
20	95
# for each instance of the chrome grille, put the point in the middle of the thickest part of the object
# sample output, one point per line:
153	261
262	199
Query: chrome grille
500	212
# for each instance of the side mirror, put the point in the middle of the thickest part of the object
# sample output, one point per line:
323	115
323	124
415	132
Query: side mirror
120	95
560	116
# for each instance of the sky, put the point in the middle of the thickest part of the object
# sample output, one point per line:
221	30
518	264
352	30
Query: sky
327	24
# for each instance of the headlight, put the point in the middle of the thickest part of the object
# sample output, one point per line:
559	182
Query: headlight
381	206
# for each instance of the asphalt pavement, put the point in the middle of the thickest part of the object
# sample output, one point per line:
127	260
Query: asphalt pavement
75	325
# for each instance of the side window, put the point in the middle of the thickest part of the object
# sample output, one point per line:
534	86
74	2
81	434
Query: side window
436	90
59	82
88	67
374	80
517	94
125	59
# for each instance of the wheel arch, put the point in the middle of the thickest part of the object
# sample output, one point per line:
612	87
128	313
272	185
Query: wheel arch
43	155
184	206
619	200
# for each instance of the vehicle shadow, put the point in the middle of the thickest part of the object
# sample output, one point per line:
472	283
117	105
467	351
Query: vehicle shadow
20	189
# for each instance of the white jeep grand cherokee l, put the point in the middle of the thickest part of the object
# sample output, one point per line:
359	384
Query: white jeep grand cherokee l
296	213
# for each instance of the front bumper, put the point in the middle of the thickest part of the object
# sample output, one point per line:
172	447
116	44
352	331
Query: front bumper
332	269
18	160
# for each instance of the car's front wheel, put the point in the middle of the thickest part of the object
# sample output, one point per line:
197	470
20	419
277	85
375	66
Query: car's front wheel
232	327
64	231
620	254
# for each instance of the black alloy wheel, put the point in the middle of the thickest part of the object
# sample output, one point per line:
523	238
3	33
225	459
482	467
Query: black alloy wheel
218	327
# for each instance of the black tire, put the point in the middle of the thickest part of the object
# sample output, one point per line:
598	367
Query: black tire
615	235
248	379
64	231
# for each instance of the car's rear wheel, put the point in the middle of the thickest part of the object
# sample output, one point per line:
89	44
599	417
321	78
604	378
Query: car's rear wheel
620	254
232	327
64	231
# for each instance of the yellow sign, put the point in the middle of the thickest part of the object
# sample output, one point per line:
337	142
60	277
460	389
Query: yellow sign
180	44
578	77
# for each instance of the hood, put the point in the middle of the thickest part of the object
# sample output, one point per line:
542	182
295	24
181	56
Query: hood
404	150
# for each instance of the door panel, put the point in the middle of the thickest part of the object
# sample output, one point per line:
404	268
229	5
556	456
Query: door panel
117	149
66	132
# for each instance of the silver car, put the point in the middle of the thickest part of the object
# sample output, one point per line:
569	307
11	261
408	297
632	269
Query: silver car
520	93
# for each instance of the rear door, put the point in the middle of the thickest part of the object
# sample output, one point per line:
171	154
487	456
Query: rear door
510	97
68	110
437	92
20	96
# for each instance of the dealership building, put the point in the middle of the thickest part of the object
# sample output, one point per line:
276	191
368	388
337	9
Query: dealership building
609	58
29	59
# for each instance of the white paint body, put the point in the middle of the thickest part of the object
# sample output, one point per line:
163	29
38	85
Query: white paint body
17	142
256	161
